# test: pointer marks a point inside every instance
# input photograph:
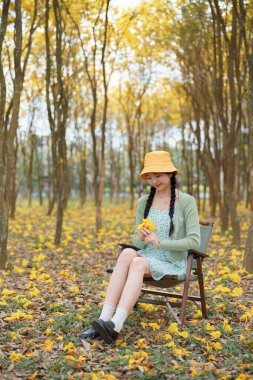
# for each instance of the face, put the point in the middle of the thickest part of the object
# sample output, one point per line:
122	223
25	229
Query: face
161	181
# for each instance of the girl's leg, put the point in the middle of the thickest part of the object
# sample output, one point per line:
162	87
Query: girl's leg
132	289
117	282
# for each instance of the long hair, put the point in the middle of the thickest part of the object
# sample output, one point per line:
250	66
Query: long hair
173	183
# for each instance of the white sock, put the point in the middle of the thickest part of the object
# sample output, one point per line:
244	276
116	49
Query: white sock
107	311
119	318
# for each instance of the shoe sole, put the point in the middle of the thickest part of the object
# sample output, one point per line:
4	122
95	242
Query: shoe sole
89	336
103	333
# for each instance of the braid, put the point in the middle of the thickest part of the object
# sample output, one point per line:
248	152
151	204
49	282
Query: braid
149	201
172	201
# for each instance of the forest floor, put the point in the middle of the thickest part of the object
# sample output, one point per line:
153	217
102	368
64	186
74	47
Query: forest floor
48	295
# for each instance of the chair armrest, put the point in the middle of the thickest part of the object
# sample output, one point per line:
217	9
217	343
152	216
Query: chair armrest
197	253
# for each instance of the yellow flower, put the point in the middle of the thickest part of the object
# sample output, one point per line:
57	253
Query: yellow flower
180	351
154	326
14	336
34	292
39	258
242	306
25	263
235	278
74	289
212	357
18	315
48	345
147	223
18	270
7	292
208	347
198	314
98	376
194	372
144	324
141	343
47	331
167	336
184	334
217	346
226	327
33	375
221	289
26	304
236	292
45	277
235	252
80	359
202	340
148	307
33	274
243	376
69	347
15	357
247	315
119	342
173	328
215	334
209	327
170	344
220	306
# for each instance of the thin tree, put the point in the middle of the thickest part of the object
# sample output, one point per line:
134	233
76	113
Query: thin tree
57	108
245	19
7	136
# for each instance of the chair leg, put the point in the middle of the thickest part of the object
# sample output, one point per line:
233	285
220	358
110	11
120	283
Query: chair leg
186	288
201	287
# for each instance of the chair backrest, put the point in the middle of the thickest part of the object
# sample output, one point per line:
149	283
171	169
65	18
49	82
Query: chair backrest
205	233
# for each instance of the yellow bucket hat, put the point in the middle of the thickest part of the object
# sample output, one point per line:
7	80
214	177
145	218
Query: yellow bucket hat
158	161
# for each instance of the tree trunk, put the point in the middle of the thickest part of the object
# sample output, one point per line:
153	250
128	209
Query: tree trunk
248	256
57	117
30	170
14	192
39	166
103	127
131	168
7	139
83	176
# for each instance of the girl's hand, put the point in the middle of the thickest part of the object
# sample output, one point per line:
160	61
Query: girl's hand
152	239
143	233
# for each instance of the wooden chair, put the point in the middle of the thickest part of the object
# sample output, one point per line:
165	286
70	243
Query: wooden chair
193	273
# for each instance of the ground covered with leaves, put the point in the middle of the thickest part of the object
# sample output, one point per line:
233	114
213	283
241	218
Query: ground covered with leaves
48	295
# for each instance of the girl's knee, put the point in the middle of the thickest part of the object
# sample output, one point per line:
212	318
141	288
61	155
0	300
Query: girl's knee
140	264
126	256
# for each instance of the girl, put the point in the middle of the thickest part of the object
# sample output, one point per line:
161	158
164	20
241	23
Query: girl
157	253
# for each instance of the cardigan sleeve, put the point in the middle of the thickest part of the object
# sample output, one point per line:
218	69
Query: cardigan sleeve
139	216
192	229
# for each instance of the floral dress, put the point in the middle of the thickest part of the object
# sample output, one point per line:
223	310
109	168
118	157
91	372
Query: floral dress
162	262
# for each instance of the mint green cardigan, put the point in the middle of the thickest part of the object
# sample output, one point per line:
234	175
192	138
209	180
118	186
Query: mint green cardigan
186	233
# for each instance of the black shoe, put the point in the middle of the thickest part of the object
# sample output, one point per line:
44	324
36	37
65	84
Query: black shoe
106	330
90	333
